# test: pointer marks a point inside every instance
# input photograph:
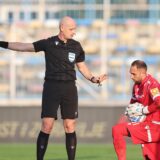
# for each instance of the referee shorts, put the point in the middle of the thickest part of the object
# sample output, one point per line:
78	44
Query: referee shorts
63	94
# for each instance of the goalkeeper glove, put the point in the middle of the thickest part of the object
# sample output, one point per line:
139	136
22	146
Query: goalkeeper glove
136	109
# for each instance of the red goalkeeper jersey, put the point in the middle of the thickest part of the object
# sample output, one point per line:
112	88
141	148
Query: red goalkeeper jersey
147	92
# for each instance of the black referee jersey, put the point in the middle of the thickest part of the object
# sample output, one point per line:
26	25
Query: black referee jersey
60	57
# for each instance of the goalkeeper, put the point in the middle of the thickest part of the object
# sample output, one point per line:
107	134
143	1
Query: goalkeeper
146	91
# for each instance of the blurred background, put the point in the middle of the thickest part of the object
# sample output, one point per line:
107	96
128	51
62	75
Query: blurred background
113	33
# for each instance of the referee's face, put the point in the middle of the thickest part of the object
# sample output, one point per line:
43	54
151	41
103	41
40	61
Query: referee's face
69	29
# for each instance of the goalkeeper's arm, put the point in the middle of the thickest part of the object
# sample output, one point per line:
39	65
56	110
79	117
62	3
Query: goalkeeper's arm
152	108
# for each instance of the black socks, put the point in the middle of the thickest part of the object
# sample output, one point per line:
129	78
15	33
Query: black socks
42	143
71	143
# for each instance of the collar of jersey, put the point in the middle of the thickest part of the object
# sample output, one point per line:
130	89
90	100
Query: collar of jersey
59	40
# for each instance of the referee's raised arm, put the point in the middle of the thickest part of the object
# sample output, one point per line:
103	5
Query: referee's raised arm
18	46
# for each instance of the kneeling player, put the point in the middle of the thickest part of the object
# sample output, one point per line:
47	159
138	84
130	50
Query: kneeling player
146	91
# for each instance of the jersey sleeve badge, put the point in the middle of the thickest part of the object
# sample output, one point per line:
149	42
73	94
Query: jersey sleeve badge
155	92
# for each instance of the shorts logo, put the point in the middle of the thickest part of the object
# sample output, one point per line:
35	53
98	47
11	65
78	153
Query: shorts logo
71	56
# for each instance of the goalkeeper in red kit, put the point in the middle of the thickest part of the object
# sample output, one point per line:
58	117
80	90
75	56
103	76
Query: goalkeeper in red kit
146	91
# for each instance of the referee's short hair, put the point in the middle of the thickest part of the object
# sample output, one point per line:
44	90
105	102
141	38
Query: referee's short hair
139	64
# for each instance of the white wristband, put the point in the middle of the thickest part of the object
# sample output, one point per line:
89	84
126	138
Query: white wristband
145	110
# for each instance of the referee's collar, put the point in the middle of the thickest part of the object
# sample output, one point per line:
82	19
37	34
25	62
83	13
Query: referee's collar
61	41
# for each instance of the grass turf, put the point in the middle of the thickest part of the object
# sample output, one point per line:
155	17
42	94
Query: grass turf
58	152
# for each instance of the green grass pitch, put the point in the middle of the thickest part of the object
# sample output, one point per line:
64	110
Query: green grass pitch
58	152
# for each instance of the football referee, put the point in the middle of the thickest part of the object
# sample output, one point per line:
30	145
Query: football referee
61	55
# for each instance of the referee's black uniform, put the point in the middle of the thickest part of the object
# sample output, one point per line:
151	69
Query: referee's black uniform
59	87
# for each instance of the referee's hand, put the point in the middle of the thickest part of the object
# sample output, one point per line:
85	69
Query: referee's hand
102	78
99	79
